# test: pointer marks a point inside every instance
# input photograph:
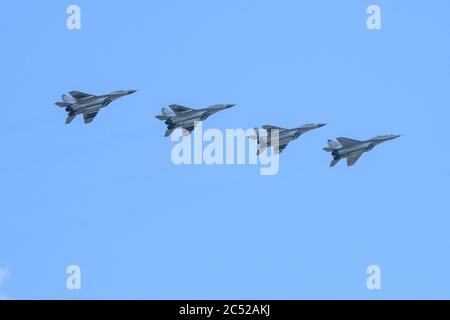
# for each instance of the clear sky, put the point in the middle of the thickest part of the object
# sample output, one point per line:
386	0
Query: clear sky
107	197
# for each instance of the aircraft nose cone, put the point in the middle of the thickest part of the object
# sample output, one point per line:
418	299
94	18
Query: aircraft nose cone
131	91
320	125
390	137
230	105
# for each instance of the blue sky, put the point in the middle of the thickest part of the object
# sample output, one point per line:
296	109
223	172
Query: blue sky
107	197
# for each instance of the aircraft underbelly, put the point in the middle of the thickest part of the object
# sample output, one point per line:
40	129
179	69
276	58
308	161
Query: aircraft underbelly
90	108
87	105
187	120
282	136
346	152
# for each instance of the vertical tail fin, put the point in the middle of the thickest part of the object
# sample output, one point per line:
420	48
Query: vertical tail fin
165	115
166	112
332	146
67	99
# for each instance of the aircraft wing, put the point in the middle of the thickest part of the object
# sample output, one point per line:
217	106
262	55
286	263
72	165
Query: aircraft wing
270	127
77	95
346	142
280	149
179	109
187	130
89	116
353	157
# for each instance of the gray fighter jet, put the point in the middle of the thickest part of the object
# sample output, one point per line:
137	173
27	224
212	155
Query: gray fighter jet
87	104
187	118
353	149
264	136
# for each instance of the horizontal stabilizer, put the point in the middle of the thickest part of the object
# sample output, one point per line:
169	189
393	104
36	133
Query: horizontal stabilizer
162	117
63	104
69	119
169	132
334	162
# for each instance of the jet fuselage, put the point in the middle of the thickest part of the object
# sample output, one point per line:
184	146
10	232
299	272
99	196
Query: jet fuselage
76	103
188	117
84	105
353	149
364	147
287	135
283	136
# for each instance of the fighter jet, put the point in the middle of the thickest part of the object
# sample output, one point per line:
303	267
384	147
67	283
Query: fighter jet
87	104
353	149
187	118
264	136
